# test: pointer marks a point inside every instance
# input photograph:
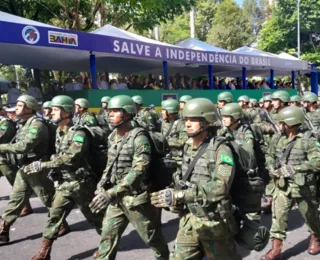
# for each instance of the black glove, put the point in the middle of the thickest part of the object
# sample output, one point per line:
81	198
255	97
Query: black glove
166	198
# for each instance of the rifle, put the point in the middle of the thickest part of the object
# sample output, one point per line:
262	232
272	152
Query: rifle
270	120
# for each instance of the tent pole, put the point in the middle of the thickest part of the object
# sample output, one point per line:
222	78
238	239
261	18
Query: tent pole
210	75
293	77
165	74
314	79
244	77
272	79
93	71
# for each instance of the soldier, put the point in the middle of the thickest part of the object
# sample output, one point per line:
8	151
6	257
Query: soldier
223	99
145	118
261	103
295	101
293	161
104	106
173	128
31	143
309	102
207	226
267	103
75	184
254	110
46	107
243	101
82	115
124	189
183	100
280	100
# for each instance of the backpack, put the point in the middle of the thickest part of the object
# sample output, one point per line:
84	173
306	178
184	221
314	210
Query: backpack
161	167
248	186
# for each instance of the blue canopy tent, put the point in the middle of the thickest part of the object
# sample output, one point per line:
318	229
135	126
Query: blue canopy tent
46	47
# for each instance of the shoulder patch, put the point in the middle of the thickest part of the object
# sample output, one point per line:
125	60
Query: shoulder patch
250	135
318	145
227	159
34	131
79	139
4	127
90	121
146	148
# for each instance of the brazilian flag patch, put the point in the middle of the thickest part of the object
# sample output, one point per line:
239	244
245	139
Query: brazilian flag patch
79	139
4	127
226	159
146	148
318	145
91	122
34	131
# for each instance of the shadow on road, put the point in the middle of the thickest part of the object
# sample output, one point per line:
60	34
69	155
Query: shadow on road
32	237
299	248
83	255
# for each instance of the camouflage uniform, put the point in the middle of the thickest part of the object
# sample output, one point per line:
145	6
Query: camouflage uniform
31	144
125	177
314	117
177	136
86	119
147	120
75	183
7	133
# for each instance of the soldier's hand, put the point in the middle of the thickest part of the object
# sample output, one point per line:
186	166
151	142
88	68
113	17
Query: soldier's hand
100	202
166	198
287	171
33	167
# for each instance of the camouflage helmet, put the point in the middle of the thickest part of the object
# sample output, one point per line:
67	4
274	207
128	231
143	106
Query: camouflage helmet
253	101
267	98
82	102
65	102
46	104
225	96
123	102
170	105
261	100
282	95
309	97
244	99
291	116
200	108
295	98
185	98
29	101
232	109
137	99
105	99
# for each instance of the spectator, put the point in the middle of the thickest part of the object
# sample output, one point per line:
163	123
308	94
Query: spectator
206	85
146	84
173	83
35	92
264	85
136	83
194	84
277	86
103	81
200	84
215	83
122	84
130	82
78	85
187	82
181	84
13	93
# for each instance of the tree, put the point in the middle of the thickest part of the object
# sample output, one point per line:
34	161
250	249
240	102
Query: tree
231	27
83	15
254	10
176	30
280	32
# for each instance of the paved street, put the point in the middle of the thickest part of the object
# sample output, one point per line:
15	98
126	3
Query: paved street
82	241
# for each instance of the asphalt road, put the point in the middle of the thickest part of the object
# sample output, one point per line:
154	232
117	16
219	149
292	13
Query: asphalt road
82	241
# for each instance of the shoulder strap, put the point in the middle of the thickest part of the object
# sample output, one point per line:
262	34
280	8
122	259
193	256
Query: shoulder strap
202	150
285	156
169	129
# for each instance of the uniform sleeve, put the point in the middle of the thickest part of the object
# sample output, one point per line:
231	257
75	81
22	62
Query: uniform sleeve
219	186
312	164
37	133
7	132
77	151
140	164
271	153
90	121
249	138
181	137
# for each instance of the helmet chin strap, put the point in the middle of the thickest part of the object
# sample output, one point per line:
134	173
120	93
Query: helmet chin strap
61	118
202	128
121	122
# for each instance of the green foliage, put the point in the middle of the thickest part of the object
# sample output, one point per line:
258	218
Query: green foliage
231	27
175	31
280	32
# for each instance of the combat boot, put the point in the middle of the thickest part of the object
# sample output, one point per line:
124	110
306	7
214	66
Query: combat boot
266	207
275	252
45	250
64	229
4	232
27	210
314	246
95	254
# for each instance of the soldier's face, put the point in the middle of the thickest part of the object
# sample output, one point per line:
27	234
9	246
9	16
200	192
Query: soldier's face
164	114
227	120
19	108
266	104
47	111
56	113
115	116
276	103
77	109
241	103
181	105
104	105
11	115
221	104
193	125
305	104
261	105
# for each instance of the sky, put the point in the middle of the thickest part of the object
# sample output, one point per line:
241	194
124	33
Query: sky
239	2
